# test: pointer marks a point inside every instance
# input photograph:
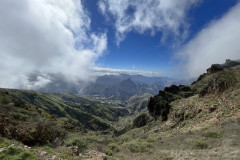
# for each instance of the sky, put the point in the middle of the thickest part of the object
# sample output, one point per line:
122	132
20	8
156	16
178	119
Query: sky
78	38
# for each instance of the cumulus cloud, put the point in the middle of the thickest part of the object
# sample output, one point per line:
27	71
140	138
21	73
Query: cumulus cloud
215	43
46	35
167	16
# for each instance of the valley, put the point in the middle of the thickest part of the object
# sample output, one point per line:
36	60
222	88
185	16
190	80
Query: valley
119	80
198	121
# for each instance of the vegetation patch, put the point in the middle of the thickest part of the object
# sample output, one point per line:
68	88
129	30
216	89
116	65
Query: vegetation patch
212	134
4	143
137	147
199	144
236	142
114	147
151	140
14	153
109	152
82	144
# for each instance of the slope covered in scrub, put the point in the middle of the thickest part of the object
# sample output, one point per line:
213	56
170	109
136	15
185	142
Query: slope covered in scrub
200	121
25	115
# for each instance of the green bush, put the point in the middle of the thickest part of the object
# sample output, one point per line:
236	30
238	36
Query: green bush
151	140
14	153
105	158
198	144
82	144
19	116
109	153
212	134
4	100
137	147
4	143
114	147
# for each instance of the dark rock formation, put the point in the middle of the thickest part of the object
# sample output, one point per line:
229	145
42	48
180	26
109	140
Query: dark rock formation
214	68
141	121
172	89
159	105
218	67
122	131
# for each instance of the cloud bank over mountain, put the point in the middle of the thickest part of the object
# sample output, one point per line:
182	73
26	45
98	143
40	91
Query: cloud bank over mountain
110	71
47	36
215	43
57	37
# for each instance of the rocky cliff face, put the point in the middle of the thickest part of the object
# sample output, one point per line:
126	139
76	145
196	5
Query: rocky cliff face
159	105
219	78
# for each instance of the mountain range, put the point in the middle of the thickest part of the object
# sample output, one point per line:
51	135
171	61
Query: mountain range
197	121
121	86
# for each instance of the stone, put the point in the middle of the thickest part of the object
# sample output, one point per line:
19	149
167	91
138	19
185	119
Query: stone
43	153
2	149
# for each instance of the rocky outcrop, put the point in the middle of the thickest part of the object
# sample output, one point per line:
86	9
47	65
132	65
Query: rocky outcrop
159	105
218	67
224	78
141	121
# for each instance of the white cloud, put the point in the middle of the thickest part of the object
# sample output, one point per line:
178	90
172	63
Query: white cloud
41	80
167	16
48	36
110	71
214	44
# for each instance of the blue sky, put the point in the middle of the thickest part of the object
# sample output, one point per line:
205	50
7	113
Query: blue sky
145	51
80	39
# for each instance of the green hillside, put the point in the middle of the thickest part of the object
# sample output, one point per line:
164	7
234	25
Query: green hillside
21	109
200	121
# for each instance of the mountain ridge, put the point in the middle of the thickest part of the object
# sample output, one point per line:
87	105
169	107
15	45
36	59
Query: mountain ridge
195	122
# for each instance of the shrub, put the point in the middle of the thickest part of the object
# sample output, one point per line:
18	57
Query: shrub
105	158
82	144
43	134
198	144
212	134
4	143
15	153
137	147
109	153
12	151
4	100
151	140
19	116
114	147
